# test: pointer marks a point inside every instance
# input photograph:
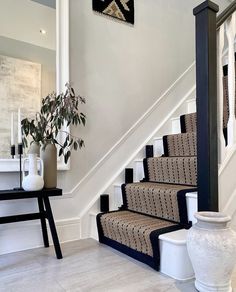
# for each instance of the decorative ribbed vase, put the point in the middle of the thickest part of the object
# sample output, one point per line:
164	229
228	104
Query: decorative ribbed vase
34	148
48	153
211	246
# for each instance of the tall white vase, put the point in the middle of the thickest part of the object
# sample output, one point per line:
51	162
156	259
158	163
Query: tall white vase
212	249
34	180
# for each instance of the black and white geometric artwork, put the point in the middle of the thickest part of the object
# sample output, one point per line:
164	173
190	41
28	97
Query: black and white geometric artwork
121	9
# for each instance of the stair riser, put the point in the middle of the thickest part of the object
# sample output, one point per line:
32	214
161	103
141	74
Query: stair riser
175	126
118	201
139	173
173	170
158	147
188	123
191	106
192	206
180	145
175	261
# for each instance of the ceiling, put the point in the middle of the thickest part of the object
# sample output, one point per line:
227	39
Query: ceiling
22	21
49	3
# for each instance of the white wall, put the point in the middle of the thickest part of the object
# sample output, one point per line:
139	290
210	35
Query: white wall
121	70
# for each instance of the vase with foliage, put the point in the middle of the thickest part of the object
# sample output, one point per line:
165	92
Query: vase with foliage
57	113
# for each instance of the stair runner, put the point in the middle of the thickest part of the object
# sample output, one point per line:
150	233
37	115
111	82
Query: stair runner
226	101
157	204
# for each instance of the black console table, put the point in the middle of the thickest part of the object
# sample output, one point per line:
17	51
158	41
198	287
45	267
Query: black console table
45	212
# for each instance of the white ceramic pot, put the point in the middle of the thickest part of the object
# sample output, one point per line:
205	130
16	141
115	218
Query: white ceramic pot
34	148
34	180
212	249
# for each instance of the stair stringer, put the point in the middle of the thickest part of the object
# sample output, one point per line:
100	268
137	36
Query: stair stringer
112	169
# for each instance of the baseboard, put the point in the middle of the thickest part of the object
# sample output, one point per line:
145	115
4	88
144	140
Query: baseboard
27	235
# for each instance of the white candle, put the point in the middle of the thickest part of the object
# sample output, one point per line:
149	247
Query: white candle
12	129
19	127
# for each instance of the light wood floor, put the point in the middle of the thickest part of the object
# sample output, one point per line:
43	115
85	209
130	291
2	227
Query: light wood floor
86	266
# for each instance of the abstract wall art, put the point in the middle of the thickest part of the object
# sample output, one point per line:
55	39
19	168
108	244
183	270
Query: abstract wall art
20	87
120	9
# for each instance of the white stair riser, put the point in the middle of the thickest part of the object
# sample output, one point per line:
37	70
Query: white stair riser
158	146
175	126
174	259
191	106
138	171
93	227
192	206
118	201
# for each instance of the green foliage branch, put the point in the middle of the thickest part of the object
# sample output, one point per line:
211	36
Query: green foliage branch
56	112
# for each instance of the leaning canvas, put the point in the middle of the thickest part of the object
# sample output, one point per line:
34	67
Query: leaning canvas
20	86
120	9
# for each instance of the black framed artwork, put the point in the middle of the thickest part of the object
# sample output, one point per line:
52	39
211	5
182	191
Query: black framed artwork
120	9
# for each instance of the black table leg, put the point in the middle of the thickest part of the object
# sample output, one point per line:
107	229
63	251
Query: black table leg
52	227
43	222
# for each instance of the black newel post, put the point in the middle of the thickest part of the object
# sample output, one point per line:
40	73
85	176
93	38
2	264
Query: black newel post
206	74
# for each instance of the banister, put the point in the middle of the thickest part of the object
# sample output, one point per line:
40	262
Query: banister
226	14
206	84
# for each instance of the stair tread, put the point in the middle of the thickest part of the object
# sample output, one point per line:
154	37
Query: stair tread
191	100
138	160
192	195
176	237
136	231
93	213
117	184
156	185
180	134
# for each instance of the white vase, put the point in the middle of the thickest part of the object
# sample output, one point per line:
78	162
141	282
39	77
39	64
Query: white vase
34	148
34	180
212	249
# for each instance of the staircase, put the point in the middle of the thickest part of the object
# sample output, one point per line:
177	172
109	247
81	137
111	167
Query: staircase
158	208
150	215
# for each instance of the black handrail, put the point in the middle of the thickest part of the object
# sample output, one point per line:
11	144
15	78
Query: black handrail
226	14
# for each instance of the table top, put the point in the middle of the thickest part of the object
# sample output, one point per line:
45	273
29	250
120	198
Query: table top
15	194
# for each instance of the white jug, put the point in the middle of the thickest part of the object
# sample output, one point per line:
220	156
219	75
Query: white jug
34	180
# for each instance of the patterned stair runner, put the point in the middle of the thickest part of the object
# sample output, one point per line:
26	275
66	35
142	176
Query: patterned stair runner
134	234
173	170
188	123
157	204
180	144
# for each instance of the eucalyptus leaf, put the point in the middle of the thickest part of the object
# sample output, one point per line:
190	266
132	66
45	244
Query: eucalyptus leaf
56	110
